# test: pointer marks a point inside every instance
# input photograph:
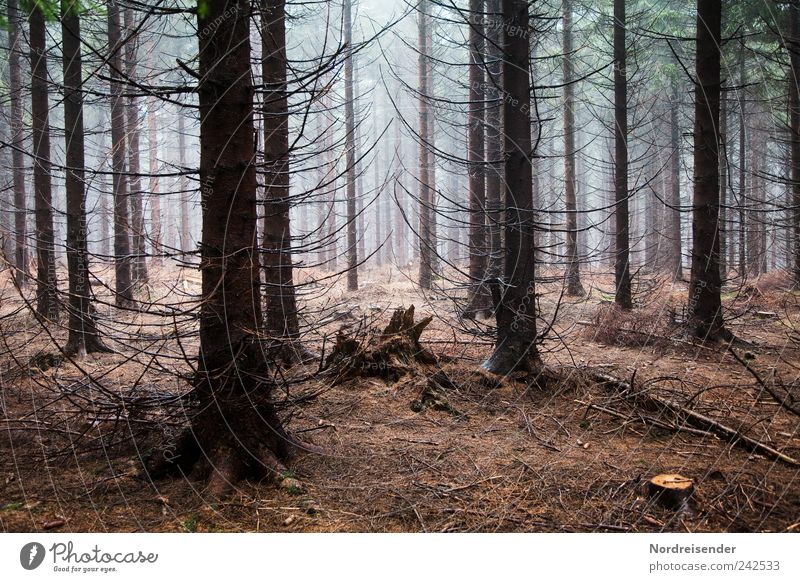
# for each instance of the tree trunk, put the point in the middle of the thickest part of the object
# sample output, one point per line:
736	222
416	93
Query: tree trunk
494	140
153	187
83	337
186	235
705	305
622	276
281	307
425	195
236	433
742	166
723	187
574	286
479	299
122	244
350	145
139	270
17	140
674	231
516	294
46	284
794	128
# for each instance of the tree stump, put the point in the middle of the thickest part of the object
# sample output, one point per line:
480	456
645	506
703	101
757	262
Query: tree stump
670	490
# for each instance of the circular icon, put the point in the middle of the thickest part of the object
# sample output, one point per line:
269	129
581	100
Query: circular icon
31	555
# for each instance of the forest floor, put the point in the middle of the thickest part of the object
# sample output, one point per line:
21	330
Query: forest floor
487	455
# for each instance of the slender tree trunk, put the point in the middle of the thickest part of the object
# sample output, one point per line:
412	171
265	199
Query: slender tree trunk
622	276
794	128
46	284
425	194
494	140
17	140
122	245
401	214
723	187
742	166
516	299
153	187
705	305
139	270
350	145
83	337
185	234
674	231
574	286
479	299
281	307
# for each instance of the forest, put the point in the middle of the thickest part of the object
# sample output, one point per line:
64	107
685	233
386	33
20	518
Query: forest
400	266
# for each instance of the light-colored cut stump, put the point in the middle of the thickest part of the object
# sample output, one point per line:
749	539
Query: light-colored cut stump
670	490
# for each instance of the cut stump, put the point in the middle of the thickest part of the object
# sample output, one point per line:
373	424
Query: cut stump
670	490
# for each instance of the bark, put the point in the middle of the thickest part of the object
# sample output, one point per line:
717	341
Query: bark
723	187
516	293
122	245
794	128
83	337
622	276
705	305
742	264
186	235
574	286
479	300
281	306
21	273
425	195
46	284
236	432
153	186
139	267
350	145
494	140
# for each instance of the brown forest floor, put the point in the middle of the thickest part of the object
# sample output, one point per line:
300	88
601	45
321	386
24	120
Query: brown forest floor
508	457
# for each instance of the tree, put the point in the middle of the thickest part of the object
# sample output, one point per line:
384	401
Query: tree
793	43
350	145
236	431
479	300
122	246
83	337
622	276
673	221
705	304
281	306
46	282
425	235
515	347
17	141
574	286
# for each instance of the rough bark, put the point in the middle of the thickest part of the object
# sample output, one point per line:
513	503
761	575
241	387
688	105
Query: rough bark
479	299
494	140
17	140
83	337
516	294
135	195
350	145
46	283
122	244
622	276
705	305
573	277
425	196
280	316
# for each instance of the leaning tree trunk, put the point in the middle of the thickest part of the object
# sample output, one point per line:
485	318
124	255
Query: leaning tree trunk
139	271
574	286
350	145
479	299
794	127
281	306
705	306
46	287
516	293
236	432
83	337
622	275
426	243
122	244
17	140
